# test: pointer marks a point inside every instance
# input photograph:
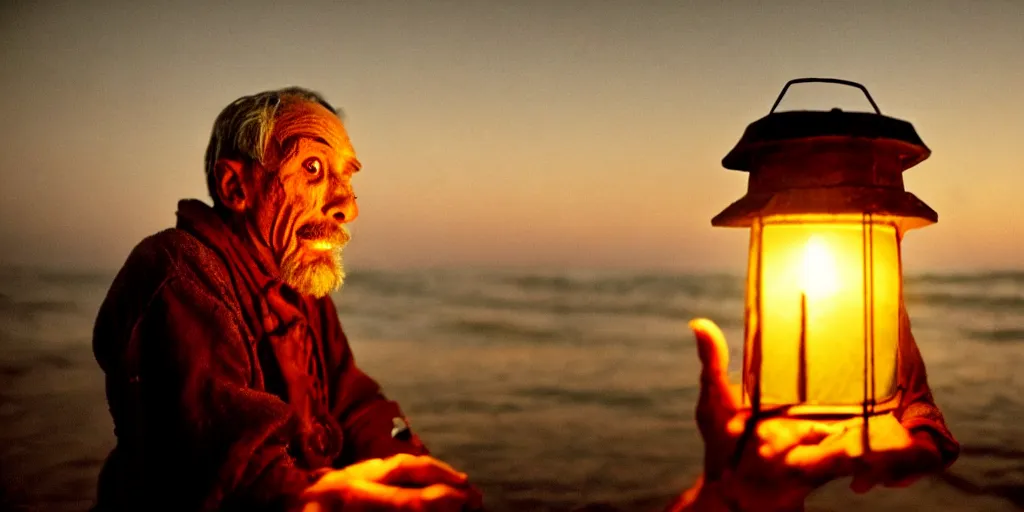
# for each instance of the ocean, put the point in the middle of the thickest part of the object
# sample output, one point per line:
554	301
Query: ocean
554	390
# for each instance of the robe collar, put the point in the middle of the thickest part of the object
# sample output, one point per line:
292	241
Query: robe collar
276	304
203	222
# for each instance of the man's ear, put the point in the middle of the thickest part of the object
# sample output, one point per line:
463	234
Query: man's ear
230	189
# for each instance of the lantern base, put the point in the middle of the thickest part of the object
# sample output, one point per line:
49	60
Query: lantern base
826	412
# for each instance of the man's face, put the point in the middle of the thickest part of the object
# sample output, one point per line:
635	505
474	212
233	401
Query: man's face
303	197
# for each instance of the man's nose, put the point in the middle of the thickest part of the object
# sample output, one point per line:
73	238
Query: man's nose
343	208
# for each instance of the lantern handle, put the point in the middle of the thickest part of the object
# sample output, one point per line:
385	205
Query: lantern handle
827	81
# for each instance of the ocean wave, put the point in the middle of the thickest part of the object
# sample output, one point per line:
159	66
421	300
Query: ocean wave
555	306
392	283
997	452
454	285
506	329
619	399
1005	482
441	405
710	286
967	300
56	276
15	366
648	295
77	278
1000	335
24	308
1010	276
652	309
1011	491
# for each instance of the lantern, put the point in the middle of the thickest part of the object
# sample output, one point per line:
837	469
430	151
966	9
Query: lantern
827	210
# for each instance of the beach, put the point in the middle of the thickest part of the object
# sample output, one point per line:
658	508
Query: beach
553	389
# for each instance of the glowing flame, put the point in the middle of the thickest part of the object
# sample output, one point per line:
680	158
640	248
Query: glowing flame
820	276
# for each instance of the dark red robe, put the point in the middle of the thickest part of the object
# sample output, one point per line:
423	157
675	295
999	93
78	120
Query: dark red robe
228	390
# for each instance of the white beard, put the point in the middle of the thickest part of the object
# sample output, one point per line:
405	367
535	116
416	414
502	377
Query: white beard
318	278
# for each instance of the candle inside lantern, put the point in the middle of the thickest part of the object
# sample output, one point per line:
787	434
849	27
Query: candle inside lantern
819	279
826	286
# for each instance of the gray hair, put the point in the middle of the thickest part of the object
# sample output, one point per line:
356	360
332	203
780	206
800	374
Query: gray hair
242	130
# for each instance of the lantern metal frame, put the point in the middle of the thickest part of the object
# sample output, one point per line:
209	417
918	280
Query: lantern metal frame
753	320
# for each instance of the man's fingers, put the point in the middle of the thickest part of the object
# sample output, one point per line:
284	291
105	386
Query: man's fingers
420	471
818	463
735	426
814	432
779	435
736	392
711	346
402	483
433	498
714	357
442	498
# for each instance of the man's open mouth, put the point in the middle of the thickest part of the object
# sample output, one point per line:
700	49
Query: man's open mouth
323	237
321	245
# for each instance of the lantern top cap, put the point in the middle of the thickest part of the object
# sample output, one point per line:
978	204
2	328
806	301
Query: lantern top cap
777	129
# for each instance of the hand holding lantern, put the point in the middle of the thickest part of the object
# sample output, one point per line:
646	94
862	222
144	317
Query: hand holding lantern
776	469
825	327
897	457
786	459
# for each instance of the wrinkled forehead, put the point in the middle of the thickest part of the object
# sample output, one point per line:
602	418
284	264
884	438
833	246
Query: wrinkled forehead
314	121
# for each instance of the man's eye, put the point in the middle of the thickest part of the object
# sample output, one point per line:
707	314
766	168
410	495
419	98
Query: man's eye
313	166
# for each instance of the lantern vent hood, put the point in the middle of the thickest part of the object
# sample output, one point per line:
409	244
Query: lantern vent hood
827	163
774	131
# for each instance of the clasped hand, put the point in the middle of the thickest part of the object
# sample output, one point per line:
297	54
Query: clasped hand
402	482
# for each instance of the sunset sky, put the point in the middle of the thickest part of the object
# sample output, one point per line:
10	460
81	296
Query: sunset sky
555	133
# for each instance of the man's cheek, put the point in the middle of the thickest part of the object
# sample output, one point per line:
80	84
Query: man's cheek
301	197
280	212
308	197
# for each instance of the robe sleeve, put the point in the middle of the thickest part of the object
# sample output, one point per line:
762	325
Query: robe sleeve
220	443
917	411
367	417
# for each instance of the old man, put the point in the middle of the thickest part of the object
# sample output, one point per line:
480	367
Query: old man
232	385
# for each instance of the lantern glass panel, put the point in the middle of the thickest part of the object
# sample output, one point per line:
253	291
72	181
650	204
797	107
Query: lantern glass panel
826	297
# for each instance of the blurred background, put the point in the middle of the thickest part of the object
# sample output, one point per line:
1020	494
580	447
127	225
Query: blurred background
536	196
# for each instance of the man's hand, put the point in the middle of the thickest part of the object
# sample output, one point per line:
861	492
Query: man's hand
402	483
781	462
895	458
